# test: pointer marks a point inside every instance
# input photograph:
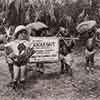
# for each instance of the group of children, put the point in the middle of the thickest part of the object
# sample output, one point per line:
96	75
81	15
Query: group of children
18	54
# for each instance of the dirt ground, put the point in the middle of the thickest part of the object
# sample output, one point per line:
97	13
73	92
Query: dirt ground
54	86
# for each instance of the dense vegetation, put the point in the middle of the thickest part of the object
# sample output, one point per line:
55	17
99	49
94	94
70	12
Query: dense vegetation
54	13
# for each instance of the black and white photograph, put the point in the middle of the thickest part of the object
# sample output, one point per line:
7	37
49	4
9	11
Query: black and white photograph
49	49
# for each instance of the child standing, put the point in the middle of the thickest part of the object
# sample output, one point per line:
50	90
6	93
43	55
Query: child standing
17	51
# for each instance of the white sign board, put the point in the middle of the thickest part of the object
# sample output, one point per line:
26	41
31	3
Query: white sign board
47	49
